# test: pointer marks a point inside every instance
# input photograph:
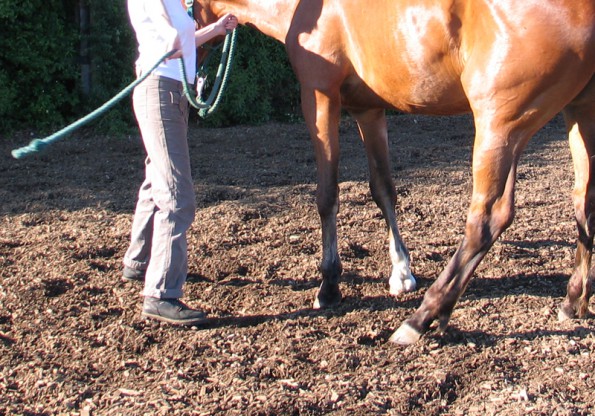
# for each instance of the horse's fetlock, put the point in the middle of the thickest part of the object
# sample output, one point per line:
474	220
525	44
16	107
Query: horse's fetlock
331	271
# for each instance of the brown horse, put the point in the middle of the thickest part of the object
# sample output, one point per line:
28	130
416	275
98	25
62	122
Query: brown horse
513	64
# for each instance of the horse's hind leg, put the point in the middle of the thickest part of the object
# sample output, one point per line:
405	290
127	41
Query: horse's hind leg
580	122
372	126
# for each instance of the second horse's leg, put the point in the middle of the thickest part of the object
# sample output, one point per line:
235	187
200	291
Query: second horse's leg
373	130
580	122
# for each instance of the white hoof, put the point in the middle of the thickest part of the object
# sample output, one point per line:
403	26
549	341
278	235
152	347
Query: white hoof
405	335
402	284
563	316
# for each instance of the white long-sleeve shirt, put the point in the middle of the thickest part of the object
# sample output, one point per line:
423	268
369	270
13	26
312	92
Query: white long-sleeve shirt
156	23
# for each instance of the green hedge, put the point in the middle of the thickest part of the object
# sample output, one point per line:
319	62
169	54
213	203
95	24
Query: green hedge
40	71
37	63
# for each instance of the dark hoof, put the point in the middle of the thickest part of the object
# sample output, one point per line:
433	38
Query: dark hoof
328	296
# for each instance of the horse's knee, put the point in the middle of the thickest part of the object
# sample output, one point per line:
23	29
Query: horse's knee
327	202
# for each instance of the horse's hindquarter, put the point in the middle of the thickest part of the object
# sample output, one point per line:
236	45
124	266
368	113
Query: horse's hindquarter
523	58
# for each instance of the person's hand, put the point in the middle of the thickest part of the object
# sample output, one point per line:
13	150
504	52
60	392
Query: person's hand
177	47
225	23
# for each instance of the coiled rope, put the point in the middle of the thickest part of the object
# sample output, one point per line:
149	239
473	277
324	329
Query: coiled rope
212	102
205	107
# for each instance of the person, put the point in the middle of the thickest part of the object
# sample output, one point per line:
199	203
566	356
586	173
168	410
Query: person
166	204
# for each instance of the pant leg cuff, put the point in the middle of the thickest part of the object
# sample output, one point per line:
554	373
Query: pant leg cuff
162	294
136	265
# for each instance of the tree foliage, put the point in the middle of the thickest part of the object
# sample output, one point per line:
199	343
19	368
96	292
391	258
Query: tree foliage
37	63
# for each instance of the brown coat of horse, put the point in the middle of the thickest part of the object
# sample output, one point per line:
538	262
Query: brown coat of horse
513	64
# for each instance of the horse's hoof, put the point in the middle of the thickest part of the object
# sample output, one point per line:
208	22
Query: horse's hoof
405	335
328	300
400	285
443	323
565	315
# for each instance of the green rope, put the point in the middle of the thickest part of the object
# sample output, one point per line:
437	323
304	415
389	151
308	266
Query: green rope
37	145
205	107
209	105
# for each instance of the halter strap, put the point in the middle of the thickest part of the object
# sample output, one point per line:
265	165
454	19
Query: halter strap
189	8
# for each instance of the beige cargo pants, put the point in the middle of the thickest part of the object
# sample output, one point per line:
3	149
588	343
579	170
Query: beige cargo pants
166	202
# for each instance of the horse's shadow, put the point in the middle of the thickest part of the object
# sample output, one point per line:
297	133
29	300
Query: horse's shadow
542	285
552	285
348	305
485	339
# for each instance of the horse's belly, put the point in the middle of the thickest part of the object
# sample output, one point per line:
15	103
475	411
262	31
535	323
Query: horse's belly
427	95
429	99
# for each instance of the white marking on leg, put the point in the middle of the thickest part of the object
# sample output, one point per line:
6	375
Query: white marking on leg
401	280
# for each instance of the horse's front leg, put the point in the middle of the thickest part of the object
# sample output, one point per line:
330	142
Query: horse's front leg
373	131
322	112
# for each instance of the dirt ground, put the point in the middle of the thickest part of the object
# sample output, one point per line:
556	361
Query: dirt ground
72	341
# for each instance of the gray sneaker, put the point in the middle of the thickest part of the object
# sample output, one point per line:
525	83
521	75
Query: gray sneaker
132	275
172	311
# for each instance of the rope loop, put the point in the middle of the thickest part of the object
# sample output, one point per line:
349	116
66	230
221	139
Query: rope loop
208	106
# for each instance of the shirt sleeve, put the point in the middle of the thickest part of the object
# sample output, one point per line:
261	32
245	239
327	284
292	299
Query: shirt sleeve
159	14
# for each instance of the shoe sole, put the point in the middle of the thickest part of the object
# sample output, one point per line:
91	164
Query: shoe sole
133	279
132	275
188	322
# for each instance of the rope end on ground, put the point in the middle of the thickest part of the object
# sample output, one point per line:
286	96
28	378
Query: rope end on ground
35	146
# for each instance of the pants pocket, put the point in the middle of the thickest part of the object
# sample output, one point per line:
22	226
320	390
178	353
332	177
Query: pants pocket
177	100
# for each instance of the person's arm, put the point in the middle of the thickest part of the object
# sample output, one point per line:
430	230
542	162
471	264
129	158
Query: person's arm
219	28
